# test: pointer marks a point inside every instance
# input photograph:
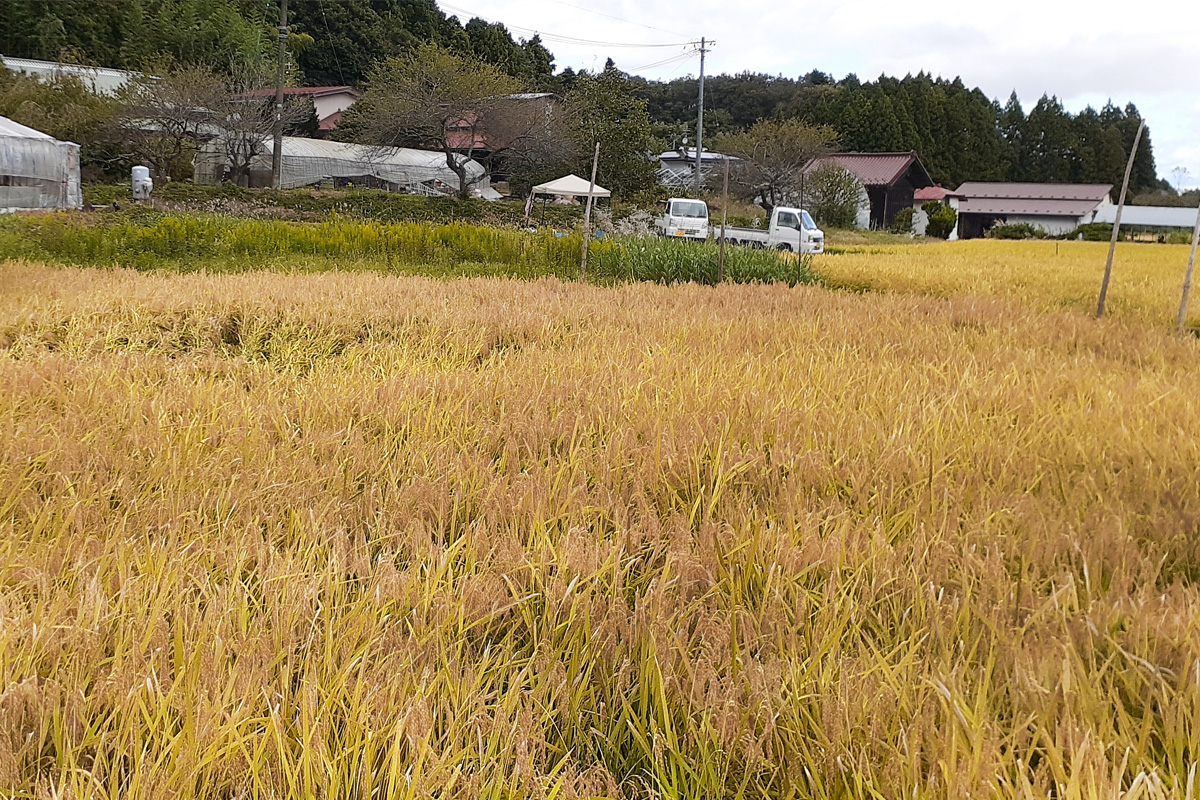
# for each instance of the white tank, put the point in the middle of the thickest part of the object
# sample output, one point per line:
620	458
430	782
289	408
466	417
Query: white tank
143	185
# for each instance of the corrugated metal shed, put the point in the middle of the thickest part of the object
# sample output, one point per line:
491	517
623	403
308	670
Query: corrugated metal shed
1149	216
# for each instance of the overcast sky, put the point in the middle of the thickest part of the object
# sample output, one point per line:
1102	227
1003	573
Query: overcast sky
1085	53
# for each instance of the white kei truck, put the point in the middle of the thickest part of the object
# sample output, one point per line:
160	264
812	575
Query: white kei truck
684	218
791	230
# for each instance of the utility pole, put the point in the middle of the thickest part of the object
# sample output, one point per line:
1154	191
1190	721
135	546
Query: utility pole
277	151
700	119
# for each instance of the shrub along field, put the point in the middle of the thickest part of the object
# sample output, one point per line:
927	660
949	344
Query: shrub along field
352	534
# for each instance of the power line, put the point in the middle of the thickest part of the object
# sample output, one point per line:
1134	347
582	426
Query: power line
332	45
618	19
561	39
681	58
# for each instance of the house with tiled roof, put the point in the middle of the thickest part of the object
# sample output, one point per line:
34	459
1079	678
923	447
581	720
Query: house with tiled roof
329	102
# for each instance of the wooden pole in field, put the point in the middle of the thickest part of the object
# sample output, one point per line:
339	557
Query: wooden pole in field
724	208
277	128
1191	267
1112	245
587	215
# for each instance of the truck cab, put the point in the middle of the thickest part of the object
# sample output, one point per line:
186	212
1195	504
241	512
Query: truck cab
793	230
684	218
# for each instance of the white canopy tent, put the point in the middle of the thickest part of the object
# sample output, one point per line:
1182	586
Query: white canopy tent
37	171
566	186
571	186
310	162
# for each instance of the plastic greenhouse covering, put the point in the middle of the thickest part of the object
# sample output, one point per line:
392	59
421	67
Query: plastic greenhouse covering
317	162
36	170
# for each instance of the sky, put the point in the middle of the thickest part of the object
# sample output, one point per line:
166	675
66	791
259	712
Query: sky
1147	53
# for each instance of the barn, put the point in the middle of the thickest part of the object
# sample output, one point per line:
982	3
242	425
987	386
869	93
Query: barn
1054	208
890	179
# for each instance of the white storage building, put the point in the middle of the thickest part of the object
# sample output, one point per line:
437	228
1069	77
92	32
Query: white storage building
37	171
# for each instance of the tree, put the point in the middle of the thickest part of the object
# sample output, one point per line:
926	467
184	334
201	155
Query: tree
833	195
167	119
603	108
65	108
244	112
773	157
436	99
942	219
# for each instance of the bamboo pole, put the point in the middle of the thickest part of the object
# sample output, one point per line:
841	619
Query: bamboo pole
724	208
1191	267
587	216
1112	245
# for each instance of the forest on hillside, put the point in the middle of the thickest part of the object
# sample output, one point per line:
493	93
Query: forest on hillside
959	132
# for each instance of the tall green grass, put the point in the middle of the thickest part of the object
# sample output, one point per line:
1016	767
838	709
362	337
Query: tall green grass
190	242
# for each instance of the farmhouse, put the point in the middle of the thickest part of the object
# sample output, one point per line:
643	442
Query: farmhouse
328	101
513	119
1055	208
891	180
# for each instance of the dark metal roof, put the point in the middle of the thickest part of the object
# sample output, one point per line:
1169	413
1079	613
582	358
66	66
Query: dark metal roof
1035	199
878	169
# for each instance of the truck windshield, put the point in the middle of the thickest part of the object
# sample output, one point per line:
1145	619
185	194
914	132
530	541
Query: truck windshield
688	208
808	221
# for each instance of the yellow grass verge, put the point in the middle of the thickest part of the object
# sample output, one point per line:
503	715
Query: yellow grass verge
348	535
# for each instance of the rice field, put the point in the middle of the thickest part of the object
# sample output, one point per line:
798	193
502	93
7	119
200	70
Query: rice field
1146	284
360	535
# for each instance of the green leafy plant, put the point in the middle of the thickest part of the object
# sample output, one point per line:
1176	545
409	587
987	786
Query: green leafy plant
903	223
941	222
1019	230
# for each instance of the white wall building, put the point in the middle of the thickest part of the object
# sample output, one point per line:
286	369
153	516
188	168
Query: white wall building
101	80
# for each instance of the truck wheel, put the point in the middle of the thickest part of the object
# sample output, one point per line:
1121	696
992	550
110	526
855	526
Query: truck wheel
784	248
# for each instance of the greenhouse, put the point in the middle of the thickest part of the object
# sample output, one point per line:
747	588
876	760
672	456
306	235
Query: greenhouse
37	172
319	162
